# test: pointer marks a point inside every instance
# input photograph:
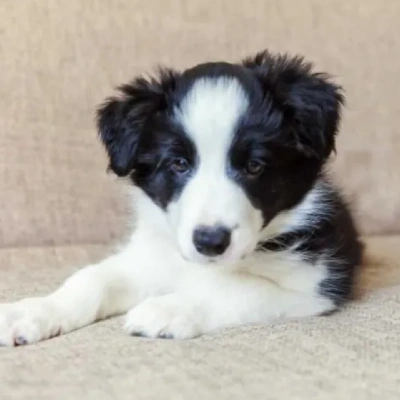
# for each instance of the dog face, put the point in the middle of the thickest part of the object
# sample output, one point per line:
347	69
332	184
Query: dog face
223	149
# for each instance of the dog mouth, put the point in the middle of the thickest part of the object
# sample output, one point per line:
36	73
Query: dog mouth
227	259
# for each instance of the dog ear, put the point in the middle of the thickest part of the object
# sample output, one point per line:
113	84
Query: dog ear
122	120
310	102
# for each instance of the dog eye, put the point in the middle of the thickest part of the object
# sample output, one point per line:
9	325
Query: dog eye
179	165
254	167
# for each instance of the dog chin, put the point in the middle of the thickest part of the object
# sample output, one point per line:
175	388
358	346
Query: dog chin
230	258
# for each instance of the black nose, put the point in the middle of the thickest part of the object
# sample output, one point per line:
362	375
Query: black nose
211	240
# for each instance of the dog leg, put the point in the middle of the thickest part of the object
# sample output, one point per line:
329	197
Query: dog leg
220	301
93	293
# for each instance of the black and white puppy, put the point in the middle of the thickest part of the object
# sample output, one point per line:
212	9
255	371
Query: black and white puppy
236	222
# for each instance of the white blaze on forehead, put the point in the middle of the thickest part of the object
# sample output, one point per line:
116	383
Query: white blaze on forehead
209	114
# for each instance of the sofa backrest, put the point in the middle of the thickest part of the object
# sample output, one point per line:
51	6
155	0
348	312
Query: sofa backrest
60	59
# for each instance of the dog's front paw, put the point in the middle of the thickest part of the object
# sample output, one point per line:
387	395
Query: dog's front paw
27	321
166	317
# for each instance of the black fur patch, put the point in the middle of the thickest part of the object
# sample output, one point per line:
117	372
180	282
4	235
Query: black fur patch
330	239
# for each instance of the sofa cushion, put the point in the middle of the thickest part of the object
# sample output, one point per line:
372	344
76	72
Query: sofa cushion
350	354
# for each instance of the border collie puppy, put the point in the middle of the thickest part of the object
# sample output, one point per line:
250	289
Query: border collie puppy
236	222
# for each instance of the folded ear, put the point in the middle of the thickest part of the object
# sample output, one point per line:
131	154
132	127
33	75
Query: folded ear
122	120
310	102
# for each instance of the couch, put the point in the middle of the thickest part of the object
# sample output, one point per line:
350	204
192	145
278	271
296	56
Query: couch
60	209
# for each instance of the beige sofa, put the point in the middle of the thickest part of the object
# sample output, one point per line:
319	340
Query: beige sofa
60	209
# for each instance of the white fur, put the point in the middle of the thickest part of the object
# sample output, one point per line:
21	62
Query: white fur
167	295
209	114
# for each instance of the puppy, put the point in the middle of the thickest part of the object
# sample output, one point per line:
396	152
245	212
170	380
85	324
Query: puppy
236	221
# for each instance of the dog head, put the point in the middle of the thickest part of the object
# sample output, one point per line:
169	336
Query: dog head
223	149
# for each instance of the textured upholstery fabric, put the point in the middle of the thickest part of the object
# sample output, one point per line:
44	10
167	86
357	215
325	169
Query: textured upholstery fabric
348	355
59	208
